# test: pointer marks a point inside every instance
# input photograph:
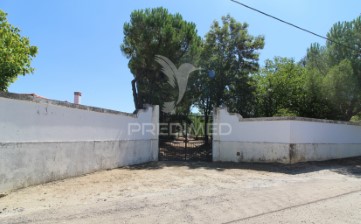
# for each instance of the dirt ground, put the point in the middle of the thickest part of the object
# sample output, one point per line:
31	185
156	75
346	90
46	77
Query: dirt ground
177	192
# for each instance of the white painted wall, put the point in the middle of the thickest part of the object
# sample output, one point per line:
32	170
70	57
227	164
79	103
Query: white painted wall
43	140
283	140
250	131
28	121
326	133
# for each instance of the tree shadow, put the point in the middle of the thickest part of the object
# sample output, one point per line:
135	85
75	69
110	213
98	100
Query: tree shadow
349	167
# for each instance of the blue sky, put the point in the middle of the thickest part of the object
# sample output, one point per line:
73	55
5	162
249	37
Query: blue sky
79	40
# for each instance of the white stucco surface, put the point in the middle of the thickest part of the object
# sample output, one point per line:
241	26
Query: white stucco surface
322	132
42	140
250	131
27	121
283	140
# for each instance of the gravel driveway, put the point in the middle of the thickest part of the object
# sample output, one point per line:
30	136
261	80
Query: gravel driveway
177	192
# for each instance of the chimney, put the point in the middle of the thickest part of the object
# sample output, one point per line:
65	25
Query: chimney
77	97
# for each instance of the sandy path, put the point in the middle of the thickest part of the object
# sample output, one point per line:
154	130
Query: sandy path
195	193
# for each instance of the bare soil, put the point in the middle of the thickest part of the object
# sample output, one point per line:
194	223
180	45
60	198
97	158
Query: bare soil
178	192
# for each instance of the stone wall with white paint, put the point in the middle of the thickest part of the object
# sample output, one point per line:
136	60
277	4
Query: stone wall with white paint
44	140
283	139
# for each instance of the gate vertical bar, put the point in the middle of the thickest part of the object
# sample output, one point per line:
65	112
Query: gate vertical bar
185	143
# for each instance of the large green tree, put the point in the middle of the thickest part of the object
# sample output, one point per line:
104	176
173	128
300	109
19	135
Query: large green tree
232	54
280	88
16	53
325	84
314	104
342	90
287	88
229	57
154	32
338	64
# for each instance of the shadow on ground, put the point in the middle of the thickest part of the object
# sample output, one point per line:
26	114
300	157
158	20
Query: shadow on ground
350	166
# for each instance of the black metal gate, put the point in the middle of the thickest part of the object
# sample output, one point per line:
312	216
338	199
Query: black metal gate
184	150
186	142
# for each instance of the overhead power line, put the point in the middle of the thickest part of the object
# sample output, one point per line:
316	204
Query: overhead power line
297	27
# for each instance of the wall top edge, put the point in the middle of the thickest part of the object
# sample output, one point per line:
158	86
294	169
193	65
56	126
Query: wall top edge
301	119
290	119
37	99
